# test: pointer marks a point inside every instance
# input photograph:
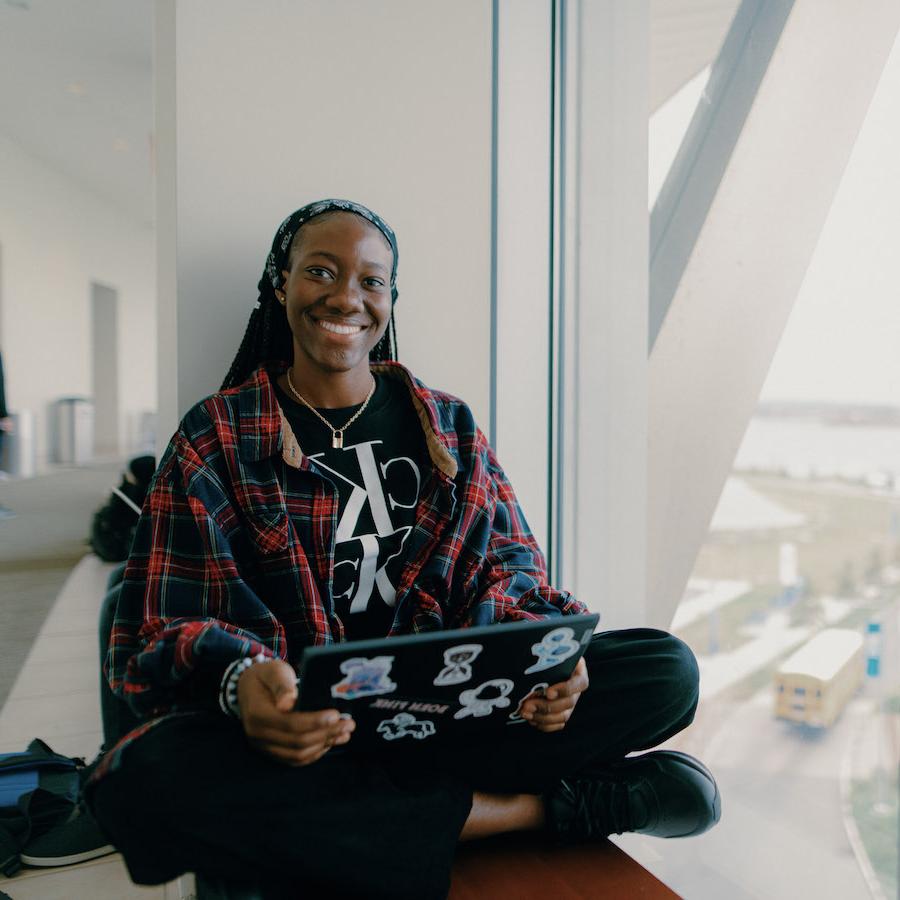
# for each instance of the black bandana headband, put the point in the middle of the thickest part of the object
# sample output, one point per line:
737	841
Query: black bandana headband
277	259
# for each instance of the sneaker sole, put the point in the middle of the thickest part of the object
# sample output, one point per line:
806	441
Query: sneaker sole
67	860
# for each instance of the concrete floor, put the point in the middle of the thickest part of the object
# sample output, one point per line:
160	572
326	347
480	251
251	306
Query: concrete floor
40	547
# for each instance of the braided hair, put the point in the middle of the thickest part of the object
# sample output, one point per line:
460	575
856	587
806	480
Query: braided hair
268	335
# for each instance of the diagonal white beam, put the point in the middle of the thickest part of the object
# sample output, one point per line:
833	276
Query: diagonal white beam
684	201
685	36
746	264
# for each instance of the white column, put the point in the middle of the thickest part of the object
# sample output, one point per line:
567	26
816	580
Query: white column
169	405
572	288
603	247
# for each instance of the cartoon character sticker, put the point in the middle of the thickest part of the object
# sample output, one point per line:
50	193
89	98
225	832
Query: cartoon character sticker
484	699
457	664
403	725
364	678
555	646
536	691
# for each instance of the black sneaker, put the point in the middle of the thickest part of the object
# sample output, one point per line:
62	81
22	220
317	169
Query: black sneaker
77	839
664	793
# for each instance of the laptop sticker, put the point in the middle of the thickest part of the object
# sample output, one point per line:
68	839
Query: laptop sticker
536	691
364	678
403	725
484	699
555	646
457	664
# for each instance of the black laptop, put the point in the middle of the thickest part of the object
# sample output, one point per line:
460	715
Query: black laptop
419	688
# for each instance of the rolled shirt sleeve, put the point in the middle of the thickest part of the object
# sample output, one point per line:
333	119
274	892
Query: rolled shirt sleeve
174	632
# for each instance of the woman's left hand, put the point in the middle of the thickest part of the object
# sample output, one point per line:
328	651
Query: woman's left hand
551	711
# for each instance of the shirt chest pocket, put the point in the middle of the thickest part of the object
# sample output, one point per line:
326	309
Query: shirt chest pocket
264	513
268	531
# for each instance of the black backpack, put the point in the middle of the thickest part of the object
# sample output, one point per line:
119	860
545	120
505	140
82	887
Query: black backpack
113	524
38	789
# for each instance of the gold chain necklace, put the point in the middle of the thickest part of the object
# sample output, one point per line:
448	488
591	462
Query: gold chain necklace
337	434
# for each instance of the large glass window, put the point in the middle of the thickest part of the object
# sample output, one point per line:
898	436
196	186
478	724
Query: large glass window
792	607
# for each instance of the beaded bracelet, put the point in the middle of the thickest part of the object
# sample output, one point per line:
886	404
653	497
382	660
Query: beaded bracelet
228	690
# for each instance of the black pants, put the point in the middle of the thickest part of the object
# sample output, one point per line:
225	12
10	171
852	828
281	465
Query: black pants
192	795
118	719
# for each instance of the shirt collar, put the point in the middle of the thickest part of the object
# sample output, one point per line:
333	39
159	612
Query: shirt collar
264	430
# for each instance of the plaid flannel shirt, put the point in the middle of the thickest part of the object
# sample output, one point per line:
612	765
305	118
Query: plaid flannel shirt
233	553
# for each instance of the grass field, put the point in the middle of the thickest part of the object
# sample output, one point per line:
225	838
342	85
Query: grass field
847	535
878	826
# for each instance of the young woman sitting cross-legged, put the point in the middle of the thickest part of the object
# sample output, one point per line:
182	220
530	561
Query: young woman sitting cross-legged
273	523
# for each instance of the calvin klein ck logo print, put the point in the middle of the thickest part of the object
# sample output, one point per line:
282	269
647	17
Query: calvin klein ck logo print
369	533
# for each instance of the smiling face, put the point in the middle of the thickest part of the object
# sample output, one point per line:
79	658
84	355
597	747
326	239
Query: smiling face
337	294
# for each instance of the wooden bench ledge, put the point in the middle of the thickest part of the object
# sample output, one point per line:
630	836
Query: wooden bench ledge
524	868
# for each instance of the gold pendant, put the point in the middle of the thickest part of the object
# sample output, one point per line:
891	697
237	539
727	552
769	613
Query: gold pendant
337	440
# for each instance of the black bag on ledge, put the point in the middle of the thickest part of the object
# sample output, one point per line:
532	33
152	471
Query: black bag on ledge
113	525
38	789
42	821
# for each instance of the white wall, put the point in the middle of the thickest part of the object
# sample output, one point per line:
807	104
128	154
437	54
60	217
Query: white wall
57	238
263	108
277	104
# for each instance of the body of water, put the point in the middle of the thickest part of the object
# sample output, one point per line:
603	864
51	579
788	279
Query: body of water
806	448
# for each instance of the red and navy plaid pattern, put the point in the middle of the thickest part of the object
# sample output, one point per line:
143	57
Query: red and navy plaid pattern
234	550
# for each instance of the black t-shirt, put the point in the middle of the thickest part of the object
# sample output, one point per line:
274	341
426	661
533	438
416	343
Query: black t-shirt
378	474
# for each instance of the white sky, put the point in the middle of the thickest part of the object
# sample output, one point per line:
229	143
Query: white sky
842	341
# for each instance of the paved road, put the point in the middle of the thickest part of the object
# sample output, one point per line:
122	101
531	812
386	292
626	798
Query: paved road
784	798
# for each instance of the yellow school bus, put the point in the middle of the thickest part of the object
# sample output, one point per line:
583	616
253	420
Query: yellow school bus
816	682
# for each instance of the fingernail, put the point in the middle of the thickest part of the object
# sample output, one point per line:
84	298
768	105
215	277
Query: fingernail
551	695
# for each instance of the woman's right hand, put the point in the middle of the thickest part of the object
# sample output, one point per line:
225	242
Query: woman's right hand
266	696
